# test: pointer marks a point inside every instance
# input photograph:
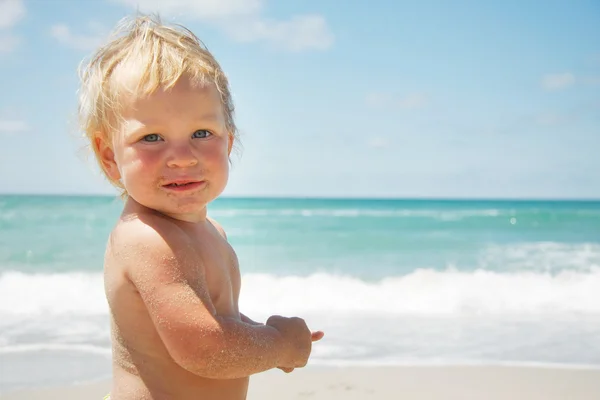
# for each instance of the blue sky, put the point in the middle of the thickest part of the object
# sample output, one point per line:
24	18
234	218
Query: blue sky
358	99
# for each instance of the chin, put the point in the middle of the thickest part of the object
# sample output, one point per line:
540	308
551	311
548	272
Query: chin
174	204
187	205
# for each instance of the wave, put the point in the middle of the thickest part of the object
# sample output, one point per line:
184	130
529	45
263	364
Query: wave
430	292
441	214
52	294
540	256
452	362
423	292
444	215
56	347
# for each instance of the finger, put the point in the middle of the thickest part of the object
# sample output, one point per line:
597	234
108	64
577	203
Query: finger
318	335
286	370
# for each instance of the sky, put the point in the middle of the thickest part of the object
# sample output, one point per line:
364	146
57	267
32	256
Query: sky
428	99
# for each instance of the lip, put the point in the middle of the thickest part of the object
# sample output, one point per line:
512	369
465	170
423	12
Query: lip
183	185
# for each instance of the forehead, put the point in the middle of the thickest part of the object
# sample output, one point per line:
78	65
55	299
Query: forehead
183	97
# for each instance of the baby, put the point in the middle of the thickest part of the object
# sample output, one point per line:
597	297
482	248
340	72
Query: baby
157	111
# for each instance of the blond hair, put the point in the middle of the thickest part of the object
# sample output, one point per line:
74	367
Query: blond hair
156	56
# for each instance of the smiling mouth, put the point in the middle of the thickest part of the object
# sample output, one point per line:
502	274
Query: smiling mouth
180	184
184	185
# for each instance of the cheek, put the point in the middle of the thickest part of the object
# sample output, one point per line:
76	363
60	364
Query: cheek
217	160
219	154
140	163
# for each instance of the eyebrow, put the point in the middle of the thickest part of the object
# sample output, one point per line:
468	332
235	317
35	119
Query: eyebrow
207	117
211	117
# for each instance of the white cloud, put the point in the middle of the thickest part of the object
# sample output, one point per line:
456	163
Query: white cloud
300	33
567	79
242	21
11	12
201	9
388	100
13	126
415	100
558	81
64	35
377	142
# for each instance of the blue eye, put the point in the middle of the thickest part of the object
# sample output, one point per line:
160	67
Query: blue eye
153	137
201	134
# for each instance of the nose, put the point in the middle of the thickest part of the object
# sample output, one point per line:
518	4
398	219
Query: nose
181	157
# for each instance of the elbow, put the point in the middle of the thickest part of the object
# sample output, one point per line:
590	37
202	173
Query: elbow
212	364
204	364
205	356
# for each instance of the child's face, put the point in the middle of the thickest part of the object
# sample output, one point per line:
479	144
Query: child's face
168	138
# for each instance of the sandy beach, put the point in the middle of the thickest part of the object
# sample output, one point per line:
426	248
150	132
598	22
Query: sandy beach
379	383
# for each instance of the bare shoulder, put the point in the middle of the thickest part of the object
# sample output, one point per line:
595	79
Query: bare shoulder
147	246
217	226
149	233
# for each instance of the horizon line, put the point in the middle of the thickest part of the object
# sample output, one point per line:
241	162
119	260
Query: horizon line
325	197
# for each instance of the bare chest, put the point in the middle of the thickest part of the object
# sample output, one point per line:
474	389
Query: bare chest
222	278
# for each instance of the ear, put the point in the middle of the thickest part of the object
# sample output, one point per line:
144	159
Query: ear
106	156
230	144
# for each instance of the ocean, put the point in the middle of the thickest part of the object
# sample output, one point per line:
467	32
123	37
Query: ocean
391	282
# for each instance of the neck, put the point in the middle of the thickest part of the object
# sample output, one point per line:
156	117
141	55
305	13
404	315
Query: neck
133	207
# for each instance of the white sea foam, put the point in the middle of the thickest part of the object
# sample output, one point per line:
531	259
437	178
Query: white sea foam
51	294
56	347
541	256
426	316
429	292
422	292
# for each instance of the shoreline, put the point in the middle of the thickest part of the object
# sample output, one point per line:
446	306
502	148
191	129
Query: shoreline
490	382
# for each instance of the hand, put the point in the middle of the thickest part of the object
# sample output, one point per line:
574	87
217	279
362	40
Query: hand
315	336
296	337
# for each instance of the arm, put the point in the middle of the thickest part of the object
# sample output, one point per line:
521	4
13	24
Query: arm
160	261
221	231
315	336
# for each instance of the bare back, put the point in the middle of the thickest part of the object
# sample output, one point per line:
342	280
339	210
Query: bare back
143	367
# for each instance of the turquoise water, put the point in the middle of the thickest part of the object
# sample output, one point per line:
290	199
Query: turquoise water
390	281
370	239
